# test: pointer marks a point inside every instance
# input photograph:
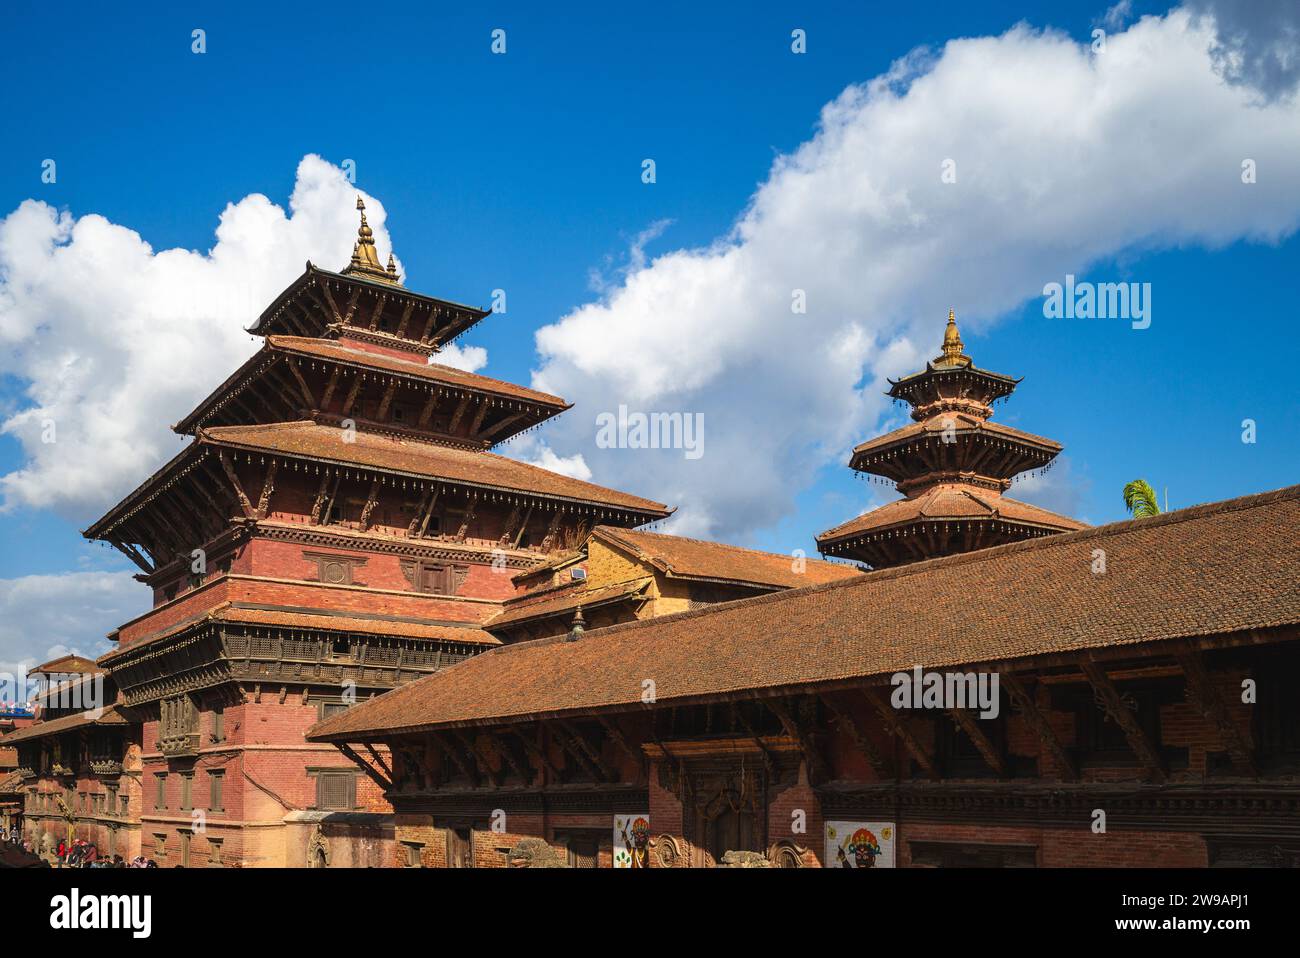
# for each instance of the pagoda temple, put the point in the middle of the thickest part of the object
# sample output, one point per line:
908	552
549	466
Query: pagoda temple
952	464
337	526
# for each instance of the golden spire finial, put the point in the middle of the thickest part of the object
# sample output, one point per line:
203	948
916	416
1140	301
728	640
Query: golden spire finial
365	258
952	345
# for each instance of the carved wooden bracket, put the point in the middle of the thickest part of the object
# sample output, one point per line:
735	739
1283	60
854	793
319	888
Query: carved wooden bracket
1108	698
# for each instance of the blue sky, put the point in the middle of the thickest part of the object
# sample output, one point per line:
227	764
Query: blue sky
522	172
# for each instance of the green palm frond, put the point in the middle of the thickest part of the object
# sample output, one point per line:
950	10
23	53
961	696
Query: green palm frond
1140	499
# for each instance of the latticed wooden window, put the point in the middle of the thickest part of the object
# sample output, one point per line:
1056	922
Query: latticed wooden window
336	790
187	788
332	708
160	791
178	716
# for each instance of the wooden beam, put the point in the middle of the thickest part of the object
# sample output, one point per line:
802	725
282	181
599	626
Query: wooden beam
234	483
503	748
428	326
768	762
386	401
329	389
319	501
352	394
523	526
901	729
538	755
458	414
333	309
302	383
191	533
427	411
502	424
1110	701
295	322
406	317
796	730
329	500
470	744
610	773
616	735
132	553
965	720
428	513
268	487
1204	696
861	740
478	418
1035	719
468	518
450	751
352	306
372	500
561	736
379	760
548	541
385	784
511	524
380	301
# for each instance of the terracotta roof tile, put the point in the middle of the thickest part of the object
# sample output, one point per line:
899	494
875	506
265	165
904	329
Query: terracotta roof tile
1213	569
962	423
323	621
436	372
109	716
717	562
316	441
370	626
950	501
528	607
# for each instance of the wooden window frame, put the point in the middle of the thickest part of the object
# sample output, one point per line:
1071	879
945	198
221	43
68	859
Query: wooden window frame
217	790
322	776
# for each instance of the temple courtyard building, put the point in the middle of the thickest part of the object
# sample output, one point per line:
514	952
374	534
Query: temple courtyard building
374	641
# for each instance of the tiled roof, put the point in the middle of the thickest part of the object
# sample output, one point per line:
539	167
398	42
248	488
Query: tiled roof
349	623
527	607
109	716
435	372
684	558
961	422
316	441
950	501
66	664
1226	567
227	612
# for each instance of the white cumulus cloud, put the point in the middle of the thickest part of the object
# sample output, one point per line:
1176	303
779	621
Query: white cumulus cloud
114	341
1063	157
45	616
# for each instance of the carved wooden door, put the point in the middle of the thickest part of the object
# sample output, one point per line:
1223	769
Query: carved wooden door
459	847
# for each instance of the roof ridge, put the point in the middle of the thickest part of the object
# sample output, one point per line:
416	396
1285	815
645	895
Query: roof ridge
623	533
1191	513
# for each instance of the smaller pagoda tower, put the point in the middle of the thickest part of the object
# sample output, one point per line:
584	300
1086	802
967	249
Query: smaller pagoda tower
952	464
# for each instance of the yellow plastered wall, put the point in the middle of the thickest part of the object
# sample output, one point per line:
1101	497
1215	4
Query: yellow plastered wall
608	566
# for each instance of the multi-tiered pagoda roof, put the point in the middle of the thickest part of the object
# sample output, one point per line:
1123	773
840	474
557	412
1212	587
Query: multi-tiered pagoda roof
345	395
952	464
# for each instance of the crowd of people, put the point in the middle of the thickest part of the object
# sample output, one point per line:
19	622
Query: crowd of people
84	854
78	853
